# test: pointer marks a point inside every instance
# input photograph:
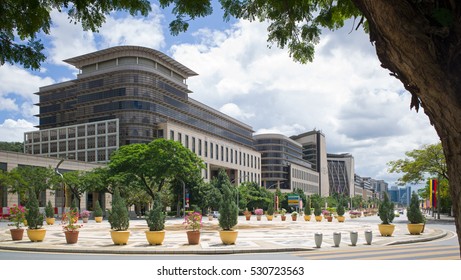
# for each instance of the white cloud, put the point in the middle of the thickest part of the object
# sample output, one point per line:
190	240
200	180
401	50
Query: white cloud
234	111
17	81
13	130
344	92
8	104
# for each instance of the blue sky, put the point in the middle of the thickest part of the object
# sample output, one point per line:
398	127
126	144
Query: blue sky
345	93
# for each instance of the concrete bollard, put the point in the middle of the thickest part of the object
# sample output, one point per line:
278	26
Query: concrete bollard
368	236
337	238
354	238
318	237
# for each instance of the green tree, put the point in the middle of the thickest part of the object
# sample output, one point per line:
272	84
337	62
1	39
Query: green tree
156	217
419	163
17	147
428	65
155	165
36	179
33	216
23	20
228	210
386	210
118	215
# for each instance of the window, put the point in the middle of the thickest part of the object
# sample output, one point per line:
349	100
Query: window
211	150
179	137
186	141
206	149
227	154
199	147
193	144
217	150
222	153
171	134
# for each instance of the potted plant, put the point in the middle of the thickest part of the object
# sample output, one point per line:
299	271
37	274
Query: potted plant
414	215
294	216
307	210
34	219
228	217
119	220
17	216
282	214
193	221
156	222
247	214
97	212
70	225
386	214
340	211
259	212
85	215
317	211
327	215
270	212
49	213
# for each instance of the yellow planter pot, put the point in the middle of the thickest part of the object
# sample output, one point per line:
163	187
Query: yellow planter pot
155	237
269	217
98	219
307	218
228	237
318	218
36	235
120	237
415	229
50	221
341	219
386	230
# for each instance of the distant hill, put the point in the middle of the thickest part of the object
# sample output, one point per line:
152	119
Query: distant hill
12	146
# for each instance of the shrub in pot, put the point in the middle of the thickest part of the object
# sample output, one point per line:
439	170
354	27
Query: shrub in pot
228	217
270	211
307	210
97	212
49	213
34	219
119	220
317	211
340	211
386	214
155	219
415	216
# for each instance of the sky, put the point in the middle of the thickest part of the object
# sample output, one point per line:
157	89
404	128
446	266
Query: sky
344	92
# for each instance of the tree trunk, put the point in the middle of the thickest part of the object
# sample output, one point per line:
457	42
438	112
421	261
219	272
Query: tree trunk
426	58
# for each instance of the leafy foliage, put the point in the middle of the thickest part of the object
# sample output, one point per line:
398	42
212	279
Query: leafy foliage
317	208
156	217
118	216
17	147
33	216
340	209
307	207
413	212
386	210
23	20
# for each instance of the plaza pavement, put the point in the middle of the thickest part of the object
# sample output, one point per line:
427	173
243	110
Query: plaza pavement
254	237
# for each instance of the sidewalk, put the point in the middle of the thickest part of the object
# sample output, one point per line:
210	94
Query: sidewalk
254	237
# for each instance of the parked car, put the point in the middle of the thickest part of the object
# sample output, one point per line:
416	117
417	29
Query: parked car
215	214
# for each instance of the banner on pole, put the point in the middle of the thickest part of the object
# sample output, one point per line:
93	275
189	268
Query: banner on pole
434	193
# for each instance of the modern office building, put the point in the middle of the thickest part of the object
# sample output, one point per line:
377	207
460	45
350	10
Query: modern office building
341	174
400	196
282	164
129	94
315	152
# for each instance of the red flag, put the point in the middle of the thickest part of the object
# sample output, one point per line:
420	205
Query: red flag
434	193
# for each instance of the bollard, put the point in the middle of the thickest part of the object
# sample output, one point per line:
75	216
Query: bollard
354	238
368	236
337	238
318	237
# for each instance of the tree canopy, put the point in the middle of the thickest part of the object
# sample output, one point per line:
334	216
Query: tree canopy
23	20
419	164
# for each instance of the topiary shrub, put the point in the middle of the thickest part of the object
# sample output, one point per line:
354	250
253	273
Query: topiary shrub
33	216
228	211
340	209
317	208
386	210
156	217
414	214
97	209
270	209
307	208
49	210
118	216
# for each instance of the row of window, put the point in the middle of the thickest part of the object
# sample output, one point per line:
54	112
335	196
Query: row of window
96	155
215	151
307	188
304	175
